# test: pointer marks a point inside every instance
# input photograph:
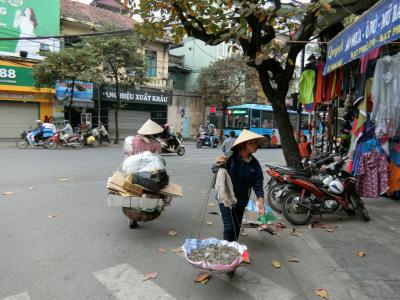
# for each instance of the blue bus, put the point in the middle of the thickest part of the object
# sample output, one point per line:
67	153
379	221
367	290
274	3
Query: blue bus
260	119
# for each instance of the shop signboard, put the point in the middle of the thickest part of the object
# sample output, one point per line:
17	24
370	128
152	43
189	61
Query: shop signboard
82	90
16	76
378	26
140	96
27	19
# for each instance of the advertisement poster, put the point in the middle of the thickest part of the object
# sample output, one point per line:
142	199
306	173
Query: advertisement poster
29	18
85	90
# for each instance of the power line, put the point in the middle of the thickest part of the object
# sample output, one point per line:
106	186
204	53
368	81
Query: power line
69	36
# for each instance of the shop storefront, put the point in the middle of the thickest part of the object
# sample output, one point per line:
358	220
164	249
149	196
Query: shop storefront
361	74
137	106
82	103
21	104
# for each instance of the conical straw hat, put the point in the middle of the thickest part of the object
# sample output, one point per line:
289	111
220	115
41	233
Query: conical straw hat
150	127
247	135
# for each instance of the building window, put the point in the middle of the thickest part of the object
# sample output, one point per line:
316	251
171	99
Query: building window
151	63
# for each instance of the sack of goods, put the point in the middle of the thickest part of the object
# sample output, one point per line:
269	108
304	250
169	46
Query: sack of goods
143	162
152	181
213	255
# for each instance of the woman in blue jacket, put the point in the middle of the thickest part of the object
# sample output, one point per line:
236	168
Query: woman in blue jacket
245	173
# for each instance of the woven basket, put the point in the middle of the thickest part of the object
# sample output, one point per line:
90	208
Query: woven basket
141	216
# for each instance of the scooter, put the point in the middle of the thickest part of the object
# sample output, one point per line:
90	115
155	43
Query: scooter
75	140
308	196
276	182
28	139
209	140
165	148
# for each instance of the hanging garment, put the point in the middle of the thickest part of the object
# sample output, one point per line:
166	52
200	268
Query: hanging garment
224	188
374	54
327	90
306	87
394	177
319	82
386	95
372	175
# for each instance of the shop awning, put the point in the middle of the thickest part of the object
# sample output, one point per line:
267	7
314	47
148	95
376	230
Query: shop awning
376	27
78	102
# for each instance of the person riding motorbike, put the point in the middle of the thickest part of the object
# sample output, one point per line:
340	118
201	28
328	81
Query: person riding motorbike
212	134
67	130
103	133
39	130
168	137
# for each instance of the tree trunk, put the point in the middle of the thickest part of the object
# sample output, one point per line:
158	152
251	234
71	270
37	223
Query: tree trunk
71	101
117	109
281	116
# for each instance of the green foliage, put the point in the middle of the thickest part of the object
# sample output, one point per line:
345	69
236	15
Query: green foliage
122	59
75	63
223	80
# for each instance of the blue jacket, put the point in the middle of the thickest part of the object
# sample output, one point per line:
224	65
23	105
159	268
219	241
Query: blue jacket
245	176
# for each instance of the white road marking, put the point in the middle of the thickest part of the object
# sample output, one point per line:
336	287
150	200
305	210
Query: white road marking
23	296
258	286
126	283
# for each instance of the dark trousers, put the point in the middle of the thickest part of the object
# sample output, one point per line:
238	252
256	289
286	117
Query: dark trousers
232	219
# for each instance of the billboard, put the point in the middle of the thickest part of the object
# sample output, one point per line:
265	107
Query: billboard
84	92
29	18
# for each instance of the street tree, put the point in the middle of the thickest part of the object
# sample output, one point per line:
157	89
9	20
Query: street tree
223	81
123	64
69	65
255	27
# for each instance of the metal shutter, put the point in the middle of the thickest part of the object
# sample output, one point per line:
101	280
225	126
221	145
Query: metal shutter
129	122
16	116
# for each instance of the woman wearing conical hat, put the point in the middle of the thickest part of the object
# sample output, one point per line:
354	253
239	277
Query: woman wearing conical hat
246	174
144	140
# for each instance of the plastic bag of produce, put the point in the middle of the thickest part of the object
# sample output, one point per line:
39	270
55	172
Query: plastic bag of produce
213	255
143	162
128	148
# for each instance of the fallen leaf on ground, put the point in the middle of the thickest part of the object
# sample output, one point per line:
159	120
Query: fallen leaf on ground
7	193
276	264
172	232
202	278
150	275
279	225
243	232
209	223
292	259
321	293
51	216
293	232
162	250
360	253
211	204
177	250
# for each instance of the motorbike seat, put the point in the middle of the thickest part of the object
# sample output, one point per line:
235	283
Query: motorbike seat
314	181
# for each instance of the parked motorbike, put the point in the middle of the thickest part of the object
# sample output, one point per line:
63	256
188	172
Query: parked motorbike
166	148
205	139
308	196
276	181
27	139
74	140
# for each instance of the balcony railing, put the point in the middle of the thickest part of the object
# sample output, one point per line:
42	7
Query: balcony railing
160	82
175	60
